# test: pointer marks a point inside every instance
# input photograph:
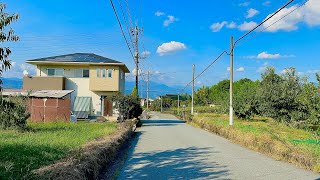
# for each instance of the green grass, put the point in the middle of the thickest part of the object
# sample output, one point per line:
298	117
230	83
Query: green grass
44	144
275	139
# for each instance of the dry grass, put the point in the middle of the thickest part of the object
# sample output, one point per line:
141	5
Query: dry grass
88	161
268	137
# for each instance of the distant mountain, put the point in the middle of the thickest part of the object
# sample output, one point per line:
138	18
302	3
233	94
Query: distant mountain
156	89
12	83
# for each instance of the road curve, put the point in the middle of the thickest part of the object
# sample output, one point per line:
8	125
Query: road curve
167	148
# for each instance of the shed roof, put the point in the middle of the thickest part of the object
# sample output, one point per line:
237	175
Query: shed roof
14	92
51	93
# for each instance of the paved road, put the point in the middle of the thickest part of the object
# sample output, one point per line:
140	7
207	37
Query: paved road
166	148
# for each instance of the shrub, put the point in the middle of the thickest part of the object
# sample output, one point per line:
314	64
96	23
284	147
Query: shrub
13	114
128	107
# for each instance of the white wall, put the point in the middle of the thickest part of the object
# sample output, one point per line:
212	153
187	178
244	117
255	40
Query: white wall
81	87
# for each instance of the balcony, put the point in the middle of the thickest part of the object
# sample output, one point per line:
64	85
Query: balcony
44	83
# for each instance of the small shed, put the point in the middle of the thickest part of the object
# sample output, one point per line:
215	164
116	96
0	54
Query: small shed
50	105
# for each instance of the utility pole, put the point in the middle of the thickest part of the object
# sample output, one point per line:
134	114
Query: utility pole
231	81
148	79
136	56
178	102
192	100
161	102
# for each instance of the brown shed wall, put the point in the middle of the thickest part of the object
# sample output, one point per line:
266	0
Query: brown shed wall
51	110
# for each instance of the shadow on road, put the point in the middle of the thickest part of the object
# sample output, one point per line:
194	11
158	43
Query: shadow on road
162	122
181	163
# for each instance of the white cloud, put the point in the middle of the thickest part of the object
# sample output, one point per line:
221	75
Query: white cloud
134	72
18	70
247	26
240	69
145	54
263	67
284	71
13	63
266	55
313	71
216	27
266	3
171	19
159	13
300	73
232	25
244	4
251	13
199	82
170	47
309	14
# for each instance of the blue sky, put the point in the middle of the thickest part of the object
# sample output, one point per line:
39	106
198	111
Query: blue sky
176	34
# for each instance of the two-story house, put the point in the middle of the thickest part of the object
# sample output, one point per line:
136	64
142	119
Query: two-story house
93	78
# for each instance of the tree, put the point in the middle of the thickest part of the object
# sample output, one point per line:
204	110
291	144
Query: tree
202	96
134	92
245	99
128	107
6	36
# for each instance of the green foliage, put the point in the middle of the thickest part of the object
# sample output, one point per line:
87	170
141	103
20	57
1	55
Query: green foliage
245	100
219	93
287	98
44	144
134	92
7	35
128	107
166	104
13	114
202	96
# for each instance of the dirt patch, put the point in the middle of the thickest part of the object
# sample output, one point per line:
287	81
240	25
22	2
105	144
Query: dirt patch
90	159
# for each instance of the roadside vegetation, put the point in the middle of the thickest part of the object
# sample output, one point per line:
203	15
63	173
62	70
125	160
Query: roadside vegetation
278	115
267	136
25	146
44	144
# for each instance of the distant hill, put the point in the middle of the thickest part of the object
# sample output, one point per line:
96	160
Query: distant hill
156	89
12	83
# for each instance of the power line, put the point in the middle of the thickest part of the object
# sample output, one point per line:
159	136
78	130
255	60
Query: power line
224	52
125	38
125	21
278	20
262	23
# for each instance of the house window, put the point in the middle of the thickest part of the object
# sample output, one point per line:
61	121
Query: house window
55	72
81	73
85	73
121	75
109	73
98	73
104	73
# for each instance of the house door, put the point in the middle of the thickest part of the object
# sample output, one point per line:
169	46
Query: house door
107	107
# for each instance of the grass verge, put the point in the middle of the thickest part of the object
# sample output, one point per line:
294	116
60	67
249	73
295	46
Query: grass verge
44	144
281	142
